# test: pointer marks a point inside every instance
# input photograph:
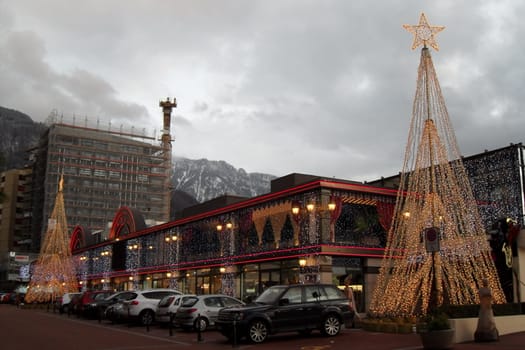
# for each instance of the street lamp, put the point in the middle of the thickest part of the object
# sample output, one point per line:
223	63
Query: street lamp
306	216
302	262
227	240
172	250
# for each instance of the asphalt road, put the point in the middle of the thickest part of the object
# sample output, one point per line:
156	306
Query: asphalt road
38	329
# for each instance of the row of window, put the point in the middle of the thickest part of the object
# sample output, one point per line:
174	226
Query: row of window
102	145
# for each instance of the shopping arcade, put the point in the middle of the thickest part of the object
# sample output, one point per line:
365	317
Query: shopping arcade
306	229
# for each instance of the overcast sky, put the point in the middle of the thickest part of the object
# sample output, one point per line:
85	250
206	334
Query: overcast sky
274	86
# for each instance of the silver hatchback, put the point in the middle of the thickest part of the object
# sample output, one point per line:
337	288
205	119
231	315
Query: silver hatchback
143	306
168	307
201	311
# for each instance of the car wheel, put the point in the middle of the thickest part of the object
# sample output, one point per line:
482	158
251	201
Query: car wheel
258	331
201	323
146	317
331	325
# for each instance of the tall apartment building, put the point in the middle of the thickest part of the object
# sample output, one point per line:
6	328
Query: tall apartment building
15	224
103	170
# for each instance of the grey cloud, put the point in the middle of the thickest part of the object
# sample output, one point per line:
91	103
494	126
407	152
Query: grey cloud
44	88
179	121
270	86
200	106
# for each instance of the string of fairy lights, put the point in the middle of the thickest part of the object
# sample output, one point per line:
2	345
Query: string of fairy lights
54	272
437	251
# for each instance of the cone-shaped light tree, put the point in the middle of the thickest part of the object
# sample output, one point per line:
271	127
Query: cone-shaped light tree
437	251
54	272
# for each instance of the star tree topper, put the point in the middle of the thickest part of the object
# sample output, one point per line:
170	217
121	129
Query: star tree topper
423	33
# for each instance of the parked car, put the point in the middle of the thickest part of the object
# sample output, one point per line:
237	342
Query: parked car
5	297
168	306
142	307
201	311
115	313
17	298
284	308
89	297
98	306
65	302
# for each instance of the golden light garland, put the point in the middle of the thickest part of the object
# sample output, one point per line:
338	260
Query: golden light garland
434	200
54	272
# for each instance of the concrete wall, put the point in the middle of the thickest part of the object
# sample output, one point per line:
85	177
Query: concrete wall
465	327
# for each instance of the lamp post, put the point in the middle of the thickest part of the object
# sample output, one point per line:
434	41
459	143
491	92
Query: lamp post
83	269
302	269
226	234
312	217
315	219
105	257
134	255
172	240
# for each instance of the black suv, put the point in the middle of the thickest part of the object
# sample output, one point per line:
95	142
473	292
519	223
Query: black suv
284	308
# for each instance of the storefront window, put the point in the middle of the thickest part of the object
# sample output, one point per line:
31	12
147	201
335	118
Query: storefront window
203	280
270	275
250	283
351	270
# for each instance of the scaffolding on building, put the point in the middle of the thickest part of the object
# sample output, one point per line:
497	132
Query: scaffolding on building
104	169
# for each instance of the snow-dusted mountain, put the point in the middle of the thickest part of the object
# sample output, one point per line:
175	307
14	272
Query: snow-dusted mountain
194	181
207	179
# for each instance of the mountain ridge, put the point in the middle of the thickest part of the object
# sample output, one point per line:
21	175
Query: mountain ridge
193	181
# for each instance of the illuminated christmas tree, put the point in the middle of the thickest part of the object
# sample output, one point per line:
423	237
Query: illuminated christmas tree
437	251
54	272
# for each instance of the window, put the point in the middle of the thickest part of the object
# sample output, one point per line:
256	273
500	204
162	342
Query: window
85	172
229	301
334	293
293	295
314	293
142	178
100	173
213	302
86	142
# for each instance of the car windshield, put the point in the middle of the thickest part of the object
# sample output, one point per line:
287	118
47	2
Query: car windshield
270	295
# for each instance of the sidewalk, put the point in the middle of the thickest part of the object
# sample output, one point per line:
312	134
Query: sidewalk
506	342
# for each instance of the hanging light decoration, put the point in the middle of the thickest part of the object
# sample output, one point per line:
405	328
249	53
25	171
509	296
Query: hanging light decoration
437	252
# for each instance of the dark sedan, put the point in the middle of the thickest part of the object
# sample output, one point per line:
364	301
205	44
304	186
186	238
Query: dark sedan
302	308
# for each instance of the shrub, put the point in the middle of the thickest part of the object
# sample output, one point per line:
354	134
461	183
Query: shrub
435	322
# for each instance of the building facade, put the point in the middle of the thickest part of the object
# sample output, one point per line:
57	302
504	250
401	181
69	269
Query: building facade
497	179
15	226
103	170
306	229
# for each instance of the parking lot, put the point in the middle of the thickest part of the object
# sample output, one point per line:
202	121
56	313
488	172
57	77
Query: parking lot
40	329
